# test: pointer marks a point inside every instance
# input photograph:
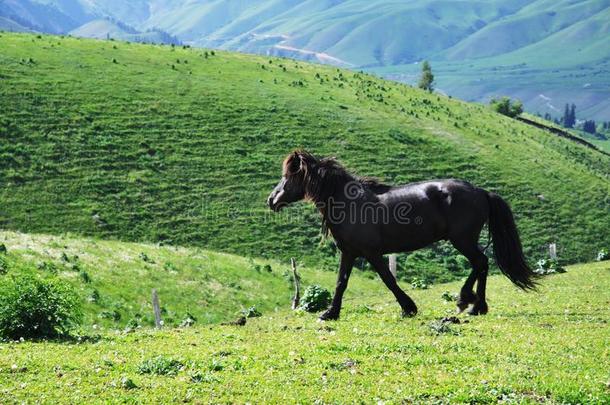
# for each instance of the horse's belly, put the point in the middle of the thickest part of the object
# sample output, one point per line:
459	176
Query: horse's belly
409	237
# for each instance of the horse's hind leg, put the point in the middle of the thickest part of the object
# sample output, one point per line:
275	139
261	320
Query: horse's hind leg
406	303
480	306
467	295
480	267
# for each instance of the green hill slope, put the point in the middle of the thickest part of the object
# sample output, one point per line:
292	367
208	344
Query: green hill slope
143	142
115	279
551	347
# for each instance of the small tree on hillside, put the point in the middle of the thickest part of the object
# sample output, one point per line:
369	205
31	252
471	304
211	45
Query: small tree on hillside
589	126
426	81
506	106
569	116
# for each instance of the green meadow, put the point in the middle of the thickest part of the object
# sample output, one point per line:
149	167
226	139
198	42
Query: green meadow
545	347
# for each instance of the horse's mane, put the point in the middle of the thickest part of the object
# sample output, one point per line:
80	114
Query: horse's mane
374	185
322	177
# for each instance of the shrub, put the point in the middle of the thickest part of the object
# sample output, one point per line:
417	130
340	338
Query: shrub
32	307
114	315
160	365
506	106
145	258
251	312
47	266
85	277
315	298
449	297
94	297
419	284
188	321
603	255
127	383
548	266
132	324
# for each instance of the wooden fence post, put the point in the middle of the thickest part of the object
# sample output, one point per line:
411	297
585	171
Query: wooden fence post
297	285
156	309
392	264
553	251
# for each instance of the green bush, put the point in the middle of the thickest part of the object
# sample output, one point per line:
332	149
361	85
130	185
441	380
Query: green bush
188	321
506	106
419	284
315	299
548	266
251	312
32	307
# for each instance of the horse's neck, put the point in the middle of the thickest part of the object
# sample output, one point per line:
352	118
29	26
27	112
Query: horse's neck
337	197
332	189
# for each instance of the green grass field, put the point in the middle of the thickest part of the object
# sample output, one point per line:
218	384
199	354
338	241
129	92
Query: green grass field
161	144
546	347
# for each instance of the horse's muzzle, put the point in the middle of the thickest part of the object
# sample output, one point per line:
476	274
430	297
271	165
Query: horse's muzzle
275	207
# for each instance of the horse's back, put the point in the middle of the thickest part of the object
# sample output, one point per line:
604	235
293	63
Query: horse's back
448	207
465	207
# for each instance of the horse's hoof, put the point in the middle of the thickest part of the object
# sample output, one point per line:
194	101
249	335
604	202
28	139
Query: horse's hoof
329	316
409	313
461	307
478	309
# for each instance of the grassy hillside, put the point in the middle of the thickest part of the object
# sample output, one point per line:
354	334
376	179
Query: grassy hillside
114	280
467	41
182	146
550	347
597	139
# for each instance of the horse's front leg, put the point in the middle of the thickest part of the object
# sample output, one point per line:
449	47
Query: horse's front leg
345	269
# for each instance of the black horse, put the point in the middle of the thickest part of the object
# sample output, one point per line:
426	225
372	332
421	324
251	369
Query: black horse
369	219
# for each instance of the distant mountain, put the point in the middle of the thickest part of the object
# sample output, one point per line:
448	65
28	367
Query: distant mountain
105	28
38	16
12	26
79	18
548	52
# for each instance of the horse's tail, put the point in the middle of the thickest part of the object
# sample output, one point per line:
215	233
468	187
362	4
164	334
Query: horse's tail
507	244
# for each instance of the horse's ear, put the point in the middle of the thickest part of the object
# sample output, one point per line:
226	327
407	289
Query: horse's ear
302	162
299	161
293	163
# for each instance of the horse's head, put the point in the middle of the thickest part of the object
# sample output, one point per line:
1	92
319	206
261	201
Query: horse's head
292	185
